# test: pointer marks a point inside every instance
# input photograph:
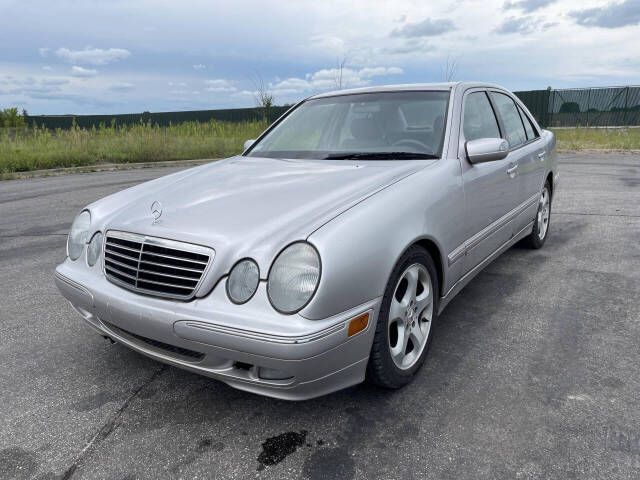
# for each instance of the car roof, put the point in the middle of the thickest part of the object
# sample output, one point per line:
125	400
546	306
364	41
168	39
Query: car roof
443	86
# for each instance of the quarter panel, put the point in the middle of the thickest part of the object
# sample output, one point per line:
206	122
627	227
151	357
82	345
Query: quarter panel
360	247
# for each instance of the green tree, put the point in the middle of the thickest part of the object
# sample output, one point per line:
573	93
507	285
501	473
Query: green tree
9	117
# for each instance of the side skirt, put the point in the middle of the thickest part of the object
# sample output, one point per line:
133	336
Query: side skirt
460	284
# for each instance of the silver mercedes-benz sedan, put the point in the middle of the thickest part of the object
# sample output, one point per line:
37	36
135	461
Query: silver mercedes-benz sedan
322	255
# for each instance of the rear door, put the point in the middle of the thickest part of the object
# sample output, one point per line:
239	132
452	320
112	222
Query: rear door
532	172
523	156
490	188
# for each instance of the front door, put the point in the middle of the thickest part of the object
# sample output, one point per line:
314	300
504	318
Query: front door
525	152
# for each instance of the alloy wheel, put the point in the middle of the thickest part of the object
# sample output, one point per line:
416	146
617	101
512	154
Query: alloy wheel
410	315
544	212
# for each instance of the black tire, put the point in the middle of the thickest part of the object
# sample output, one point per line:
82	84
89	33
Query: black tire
381	369
533	240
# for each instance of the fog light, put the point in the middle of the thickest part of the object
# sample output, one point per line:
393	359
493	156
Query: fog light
273	374
358	324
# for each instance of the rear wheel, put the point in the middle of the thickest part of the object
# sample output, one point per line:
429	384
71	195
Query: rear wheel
542	221
404	328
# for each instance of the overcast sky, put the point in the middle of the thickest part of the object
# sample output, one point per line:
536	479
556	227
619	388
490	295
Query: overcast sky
120	56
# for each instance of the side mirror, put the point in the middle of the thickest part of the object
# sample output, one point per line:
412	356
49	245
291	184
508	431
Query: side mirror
486	149
248	144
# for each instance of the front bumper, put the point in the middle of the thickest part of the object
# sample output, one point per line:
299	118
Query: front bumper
249	347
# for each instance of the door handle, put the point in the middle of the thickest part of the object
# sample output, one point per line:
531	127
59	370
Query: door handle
511	171
541	155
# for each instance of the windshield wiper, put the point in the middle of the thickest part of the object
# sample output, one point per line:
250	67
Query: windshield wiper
380	156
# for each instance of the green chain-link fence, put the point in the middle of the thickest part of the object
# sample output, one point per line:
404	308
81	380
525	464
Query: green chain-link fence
585	107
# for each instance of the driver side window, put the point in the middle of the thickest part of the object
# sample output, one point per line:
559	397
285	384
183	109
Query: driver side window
479	119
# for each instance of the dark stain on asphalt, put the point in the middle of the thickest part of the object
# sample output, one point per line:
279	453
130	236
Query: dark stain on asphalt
275	449
631	178
93	402
207	443
613	382
328	464
565	231
630	182
17	463
622	439
80	186
147	393
39	247
38	230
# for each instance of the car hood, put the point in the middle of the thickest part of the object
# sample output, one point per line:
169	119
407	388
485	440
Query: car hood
249	207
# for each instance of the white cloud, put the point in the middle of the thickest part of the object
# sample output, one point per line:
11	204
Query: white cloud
122	86
379	71
47	68
77	71
612	15
199	66
92	56
43	51
328	79
426	28
219	85
244	94
327	42
528	5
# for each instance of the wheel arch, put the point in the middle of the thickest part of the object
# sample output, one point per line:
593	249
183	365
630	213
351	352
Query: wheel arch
550	180
432	248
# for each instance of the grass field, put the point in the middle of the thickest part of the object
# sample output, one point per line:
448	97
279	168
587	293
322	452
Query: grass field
27	149
598	138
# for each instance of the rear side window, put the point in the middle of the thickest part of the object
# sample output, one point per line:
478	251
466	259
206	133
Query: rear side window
514	130
531	132
479	119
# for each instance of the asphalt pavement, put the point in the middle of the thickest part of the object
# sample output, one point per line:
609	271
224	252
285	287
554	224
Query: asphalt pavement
534	370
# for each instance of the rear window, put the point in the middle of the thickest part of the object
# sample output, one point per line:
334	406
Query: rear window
514	129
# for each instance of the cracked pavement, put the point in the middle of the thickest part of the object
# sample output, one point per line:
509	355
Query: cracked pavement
533	370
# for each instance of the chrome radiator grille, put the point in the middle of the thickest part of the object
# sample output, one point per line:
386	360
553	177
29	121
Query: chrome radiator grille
155	266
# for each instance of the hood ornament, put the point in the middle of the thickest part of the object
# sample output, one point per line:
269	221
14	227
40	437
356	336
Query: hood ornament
156	211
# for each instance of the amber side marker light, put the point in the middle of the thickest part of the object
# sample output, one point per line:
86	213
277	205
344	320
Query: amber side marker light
358	324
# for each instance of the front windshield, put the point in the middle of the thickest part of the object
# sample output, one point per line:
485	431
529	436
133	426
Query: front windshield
383	125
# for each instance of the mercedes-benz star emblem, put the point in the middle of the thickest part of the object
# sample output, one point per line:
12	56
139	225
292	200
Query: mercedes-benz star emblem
156	210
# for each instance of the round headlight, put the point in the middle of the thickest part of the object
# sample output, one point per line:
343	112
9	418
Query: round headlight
94	249
78	235
243	281
293	278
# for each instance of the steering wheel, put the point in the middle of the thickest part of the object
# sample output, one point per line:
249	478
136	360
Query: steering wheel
411	143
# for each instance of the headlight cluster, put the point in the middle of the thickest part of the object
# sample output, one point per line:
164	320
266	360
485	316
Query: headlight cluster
243	281
94	249
293	277
292	281
79	236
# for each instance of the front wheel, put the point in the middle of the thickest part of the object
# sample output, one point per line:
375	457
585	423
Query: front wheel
404	328
542	221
